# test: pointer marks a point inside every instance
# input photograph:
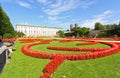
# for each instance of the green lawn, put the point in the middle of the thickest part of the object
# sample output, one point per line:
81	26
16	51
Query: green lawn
22	66
43	47
107	67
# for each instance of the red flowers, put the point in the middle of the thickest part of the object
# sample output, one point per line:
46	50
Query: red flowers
57	59
26	40
52	66
75	49
9	39
66	40
88	43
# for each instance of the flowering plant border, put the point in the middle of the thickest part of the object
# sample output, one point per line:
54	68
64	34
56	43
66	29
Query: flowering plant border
57	59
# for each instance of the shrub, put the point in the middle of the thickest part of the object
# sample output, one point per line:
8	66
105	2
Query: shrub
7	35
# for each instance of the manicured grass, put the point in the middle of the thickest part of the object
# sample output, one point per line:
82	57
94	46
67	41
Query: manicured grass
43	47
106	67
22	66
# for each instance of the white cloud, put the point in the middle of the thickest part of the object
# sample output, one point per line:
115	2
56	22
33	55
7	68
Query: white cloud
24	4
52	17
57	4
60	6
108	12
59	24
58	17
102	18
86	3
42	1
45	2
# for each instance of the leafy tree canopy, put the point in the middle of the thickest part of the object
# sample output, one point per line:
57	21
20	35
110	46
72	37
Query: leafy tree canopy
5	24
61	33
19	34
81	31
99	26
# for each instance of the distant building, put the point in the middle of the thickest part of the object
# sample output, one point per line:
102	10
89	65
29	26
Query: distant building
71	26
76	25
37	31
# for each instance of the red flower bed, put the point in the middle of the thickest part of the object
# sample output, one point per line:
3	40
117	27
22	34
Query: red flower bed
46	41
75	49
57	59
27	40
66	40
9	39
52	66
116	38
88	43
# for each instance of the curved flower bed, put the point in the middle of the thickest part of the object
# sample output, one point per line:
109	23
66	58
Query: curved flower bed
117	38
9	39
27	40
66	40
57	59
51	66
88	43
75	49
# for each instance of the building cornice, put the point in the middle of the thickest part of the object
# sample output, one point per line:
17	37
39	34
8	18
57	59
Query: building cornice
37	26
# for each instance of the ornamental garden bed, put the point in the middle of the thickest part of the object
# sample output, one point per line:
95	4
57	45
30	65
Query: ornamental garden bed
54	58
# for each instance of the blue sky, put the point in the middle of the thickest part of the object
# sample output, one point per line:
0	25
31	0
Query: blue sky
62	13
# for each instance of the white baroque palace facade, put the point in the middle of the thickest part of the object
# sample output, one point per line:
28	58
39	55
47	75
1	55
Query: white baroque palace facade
37	31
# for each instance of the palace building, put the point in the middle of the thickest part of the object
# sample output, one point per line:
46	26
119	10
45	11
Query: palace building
37	31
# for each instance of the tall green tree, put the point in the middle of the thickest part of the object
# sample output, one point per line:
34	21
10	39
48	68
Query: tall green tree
61	33
86	31
75	31
19	34
5	24
81	31
99	26
115	31
114	26
108	27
